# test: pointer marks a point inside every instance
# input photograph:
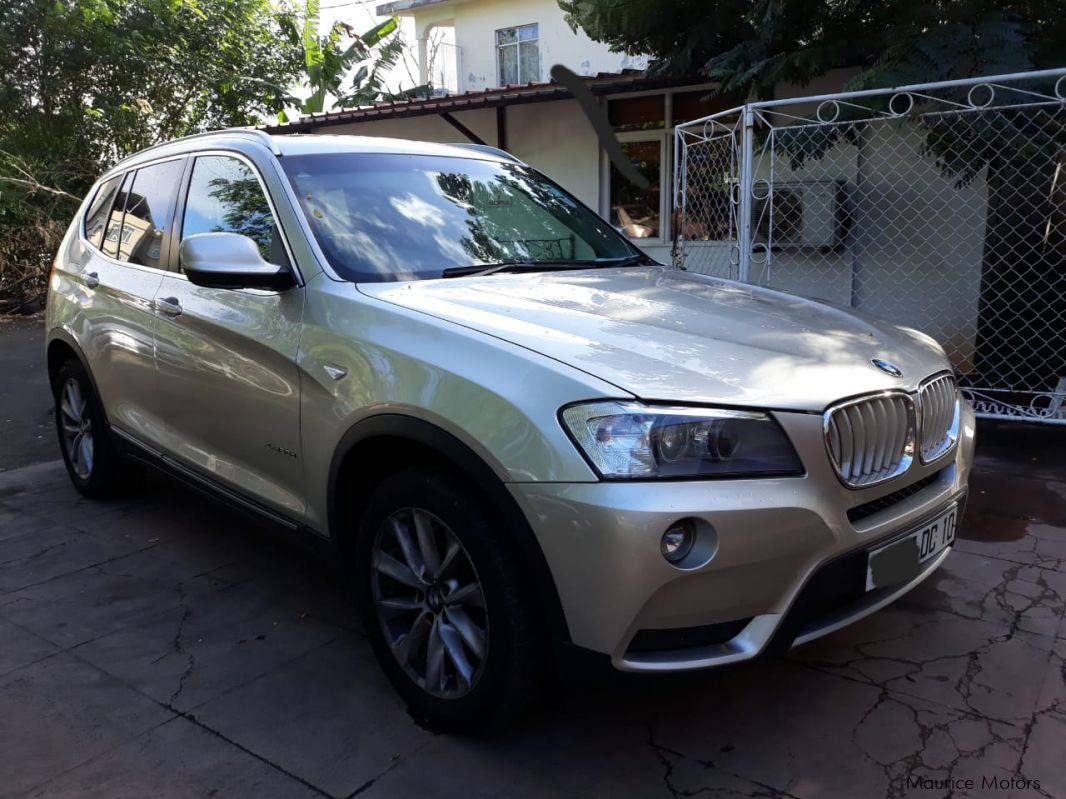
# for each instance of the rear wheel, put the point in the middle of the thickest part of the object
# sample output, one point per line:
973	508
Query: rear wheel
445	603
94	464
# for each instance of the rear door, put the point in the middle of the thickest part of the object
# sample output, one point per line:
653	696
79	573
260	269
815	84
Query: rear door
127	229
226	358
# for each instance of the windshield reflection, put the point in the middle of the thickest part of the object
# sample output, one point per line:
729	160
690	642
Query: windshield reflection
402	217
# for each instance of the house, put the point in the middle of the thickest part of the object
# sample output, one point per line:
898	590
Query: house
493	58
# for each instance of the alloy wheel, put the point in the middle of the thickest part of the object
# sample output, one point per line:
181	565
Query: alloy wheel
429	602
77	428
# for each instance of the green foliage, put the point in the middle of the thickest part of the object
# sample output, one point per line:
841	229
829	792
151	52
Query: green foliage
749	47
351	73
247	211
86	82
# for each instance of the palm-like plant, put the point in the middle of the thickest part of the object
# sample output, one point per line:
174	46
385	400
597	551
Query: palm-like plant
344	74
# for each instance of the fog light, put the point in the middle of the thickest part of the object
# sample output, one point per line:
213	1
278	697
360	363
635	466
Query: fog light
677	542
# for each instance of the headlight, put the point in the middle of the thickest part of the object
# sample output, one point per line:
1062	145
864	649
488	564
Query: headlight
631	441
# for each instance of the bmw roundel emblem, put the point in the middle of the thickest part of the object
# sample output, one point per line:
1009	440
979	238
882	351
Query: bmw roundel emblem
887	367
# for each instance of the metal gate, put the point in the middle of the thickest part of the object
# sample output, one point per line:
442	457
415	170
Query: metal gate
940	206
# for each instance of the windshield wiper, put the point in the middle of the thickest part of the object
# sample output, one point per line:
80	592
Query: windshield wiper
516	266
637	259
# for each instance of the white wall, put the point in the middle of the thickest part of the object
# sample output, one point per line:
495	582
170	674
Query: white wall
914	251
476	23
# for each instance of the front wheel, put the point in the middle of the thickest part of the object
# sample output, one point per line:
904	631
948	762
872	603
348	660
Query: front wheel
446	604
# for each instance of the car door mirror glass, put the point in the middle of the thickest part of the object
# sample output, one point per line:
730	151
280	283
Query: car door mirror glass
230	261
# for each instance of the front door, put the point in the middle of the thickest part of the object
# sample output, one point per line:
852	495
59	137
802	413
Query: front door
226	358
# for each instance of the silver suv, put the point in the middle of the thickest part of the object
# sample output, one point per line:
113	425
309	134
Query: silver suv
517	430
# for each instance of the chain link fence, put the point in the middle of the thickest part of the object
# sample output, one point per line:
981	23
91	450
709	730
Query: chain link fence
939	206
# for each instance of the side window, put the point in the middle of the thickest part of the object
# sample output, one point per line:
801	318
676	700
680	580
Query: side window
96	216
225	197
149	212
113	232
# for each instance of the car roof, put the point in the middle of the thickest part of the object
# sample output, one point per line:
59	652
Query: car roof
248	139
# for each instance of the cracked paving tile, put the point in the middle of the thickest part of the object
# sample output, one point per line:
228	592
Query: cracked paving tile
958	639
33	558
177	758
867	741
74	608
207	644
60	712
329	717
19	647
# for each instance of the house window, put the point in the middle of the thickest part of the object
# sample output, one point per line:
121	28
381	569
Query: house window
637	113
636	211
643	125
518	54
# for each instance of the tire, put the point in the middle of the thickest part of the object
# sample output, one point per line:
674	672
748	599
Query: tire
94	464
504	666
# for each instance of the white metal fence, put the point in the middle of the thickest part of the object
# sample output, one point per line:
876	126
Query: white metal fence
940	206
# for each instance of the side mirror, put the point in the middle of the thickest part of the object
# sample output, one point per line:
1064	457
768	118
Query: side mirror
230	261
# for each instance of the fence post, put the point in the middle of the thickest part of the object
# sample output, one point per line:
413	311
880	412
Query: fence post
746	179
677	201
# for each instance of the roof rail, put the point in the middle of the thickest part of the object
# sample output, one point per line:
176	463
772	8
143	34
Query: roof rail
259	135
486	148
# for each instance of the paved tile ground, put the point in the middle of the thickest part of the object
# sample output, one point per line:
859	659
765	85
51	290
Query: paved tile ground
162	646
26	432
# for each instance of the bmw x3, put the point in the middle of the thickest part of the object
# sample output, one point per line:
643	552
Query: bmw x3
519	433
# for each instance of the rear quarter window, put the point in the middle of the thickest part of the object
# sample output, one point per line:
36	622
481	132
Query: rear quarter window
149	213
96	215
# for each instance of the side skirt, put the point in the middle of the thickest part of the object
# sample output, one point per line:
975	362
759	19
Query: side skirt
292	531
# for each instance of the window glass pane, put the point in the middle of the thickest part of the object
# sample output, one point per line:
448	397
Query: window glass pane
96	216
225	197
637	113
693	105
113	234
405	217
529	62
527	32
508	65
149	211
635	211
506	36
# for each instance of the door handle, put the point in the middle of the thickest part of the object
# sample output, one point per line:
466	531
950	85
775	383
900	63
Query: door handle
92	280
169	305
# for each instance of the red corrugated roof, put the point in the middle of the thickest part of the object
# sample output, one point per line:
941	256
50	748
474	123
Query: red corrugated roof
628	80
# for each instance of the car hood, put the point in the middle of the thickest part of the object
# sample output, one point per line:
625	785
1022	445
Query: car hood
667	335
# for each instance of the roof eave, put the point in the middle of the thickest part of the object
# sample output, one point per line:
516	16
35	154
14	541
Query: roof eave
402	7
604	83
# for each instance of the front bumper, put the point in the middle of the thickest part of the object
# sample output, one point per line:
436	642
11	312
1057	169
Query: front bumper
776	540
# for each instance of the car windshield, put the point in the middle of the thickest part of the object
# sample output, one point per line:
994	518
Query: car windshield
408	217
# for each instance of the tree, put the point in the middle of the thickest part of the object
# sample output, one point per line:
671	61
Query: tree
86	82
749	47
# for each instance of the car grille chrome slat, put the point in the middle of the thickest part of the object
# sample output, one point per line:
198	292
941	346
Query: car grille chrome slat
939	404
872	439
875	438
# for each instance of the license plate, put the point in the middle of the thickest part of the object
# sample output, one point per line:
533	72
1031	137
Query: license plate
901	560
